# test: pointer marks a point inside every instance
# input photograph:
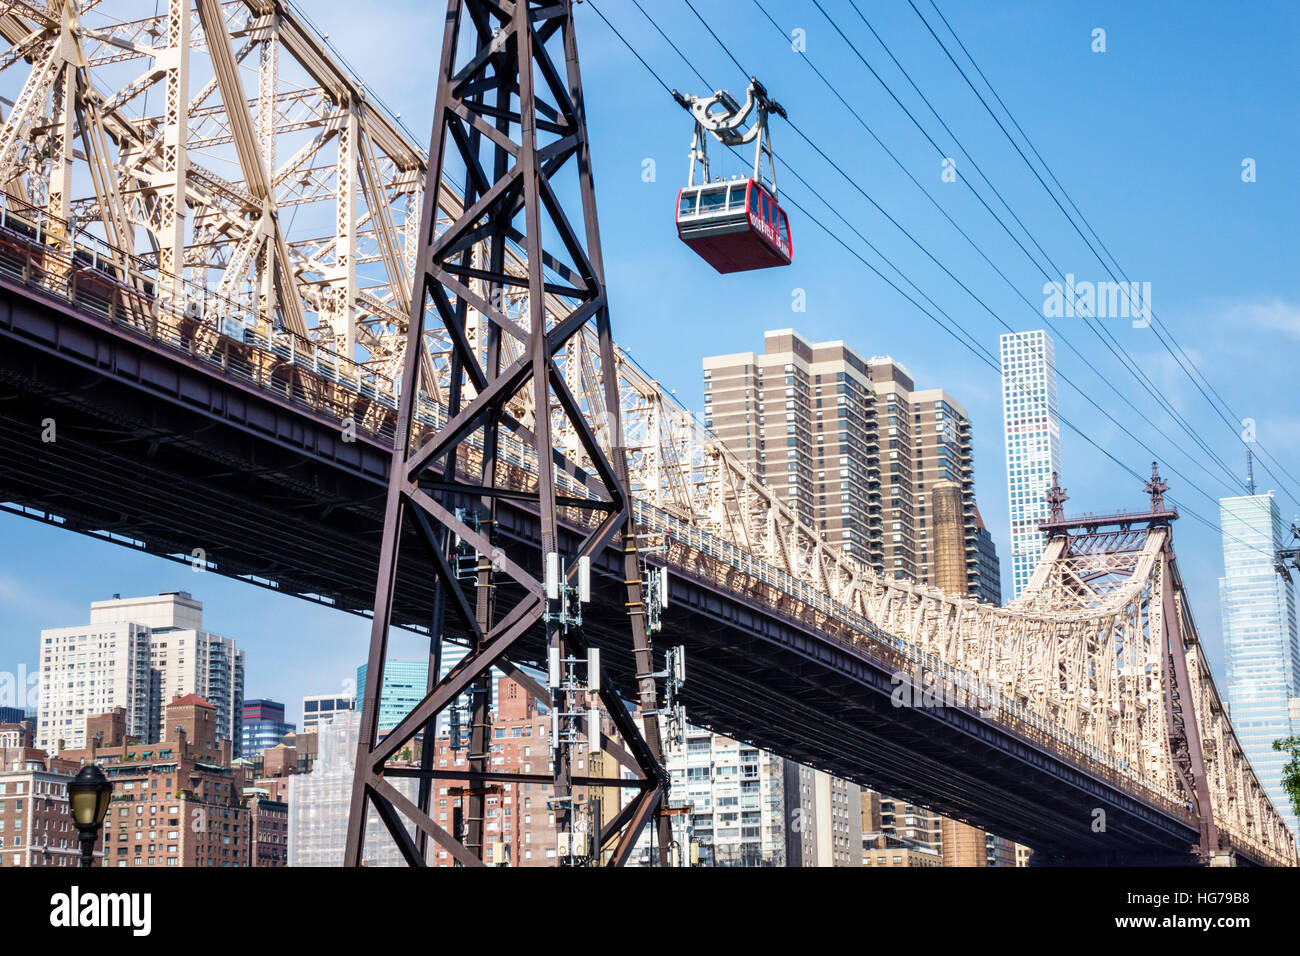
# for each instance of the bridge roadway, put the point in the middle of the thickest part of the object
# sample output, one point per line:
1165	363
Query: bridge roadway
169	439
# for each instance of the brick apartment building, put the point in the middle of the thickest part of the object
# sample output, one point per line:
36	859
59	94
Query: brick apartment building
35	827
517	815
268	823
175	803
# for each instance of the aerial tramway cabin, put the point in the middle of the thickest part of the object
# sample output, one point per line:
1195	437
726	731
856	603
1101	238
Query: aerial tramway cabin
734	225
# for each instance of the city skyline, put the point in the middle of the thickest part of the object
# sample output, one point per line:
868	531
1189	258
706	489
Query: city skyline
1244	305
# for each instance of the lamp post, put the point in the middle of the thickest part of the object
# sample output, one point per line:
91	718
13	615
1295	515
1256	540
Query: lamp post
88	795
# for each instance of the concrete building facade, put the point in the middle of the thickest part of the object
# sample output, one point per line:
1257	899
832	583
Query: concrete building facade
742	806
318	707
824	819
90	669
734	798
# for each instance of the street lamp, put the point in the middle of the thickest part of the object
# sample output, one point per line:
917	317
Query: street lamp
88	795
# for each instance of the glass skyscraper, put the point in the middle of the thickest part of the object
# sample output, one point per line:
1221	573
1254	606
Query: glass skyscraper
1033	434
264	726
402	689
1259	639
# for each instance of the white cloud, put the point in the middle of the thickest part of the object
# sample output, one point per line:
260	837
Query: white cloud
1273	315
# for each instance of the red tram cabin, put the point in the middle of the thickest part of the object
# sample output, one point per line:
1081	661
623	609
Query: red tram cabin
735	225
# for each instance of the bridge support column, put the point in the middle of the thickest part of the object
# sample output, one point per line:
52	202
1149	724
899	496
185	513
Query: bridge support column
512	122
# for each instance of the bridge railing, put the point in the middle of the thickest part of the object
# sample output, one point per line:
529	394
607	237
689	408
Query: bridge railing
129	292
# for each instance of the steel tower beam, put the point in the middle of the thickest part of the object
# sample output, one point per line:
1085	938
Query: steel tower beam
512	123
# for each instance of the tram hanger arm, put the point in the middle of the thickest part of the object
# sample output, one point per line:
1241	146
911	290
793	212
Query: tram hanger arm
724	125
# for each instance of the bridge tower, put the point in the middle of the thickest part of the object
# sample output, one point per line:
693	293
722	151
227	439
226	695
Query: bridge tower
1116	535
509	122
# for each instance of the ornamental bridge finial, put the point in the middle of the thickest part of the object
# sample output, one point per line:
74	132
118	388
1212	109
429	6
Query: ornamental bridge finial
1156	488
1056	498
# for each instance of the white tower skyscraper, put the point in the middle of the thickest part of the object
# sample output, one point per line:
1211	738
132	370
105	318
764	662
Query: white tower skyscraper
184	658
1033	443
90	669
138	654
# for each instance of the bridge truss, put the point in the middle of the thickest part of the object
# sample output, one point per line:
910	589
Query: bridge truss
237	187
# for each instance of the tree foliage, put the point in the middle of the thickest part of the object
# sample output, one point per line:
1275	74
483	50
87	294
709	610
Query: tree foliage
1291	772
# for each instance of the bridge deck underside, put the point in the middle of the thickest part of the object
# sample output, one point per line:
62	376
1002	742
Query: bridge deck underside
159	450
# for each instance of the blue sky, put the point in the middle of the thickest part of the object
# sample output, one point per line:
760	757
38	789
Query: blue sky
1148	138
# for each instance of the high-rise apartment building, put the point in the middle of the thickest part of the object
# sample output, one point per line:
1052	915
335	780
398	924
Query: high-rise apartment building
889	826
185	658
882	469
829	815
1033	435
1259	639
941	435
748	807
853	447
736	797
990	582
91	669
902	820
138	654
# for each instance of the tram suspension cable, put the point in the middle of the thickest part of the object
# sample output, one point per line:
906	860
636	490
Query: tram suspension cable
1103	334
1167	339
952	327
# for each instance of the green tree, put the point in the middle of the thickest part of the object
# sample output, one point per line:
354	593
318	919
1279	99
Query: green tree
1291	772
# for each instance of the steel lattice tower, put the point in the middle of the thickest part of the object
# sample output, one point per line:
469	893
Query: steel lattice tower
513	122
